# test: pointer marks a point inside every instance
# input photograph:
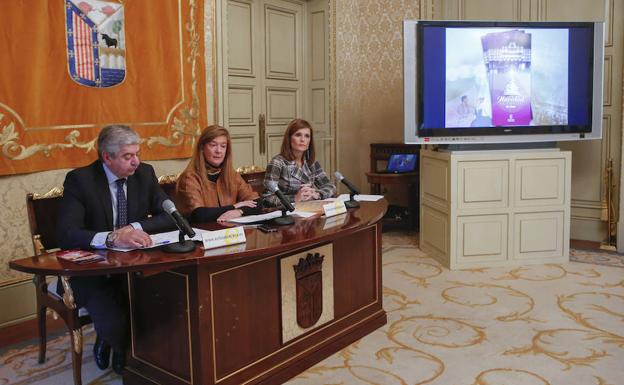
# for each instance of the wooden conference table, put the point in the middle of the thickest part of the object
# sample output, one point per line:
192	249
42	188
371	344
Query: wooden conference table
258	312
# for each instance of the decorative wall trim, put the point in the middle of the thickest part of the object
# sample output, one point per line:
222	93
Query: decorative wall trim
608	79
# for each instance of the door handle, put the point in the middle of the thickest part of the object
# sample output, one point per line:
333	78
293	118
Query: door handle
262	133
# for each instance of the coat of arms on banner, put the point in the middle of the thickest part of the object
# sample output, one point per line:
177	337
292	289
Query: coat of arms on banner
96	46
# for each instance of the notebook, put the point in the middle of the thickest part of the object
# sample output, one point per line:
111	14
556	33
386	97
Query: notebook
398	163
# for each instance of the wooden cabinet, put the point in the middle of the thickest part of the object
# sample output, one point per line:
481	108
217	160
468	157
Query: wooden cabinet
490	208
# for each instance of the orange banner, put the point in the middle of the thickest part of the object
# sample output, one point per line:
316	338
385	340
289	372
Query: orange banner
49	117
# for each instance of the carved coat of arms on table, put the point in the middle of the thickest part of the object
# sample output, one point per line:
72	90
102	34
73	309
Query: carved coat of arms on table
96	44
309	282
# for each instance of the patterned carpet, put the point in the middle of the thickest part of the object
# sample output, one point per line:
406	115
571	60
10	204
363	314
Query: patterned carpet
608	258
535	325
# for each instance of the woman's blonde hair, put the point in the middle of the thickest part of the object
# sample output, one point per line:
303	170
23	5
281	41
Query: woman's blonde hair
293	126
198	162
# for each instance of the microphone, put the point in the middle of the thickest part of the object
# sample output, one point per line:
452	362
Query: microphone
182	223
351	203
284	219
350	186
272	187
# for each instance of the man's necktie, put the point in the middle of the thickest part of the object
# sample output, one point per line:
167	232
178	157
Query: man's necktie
122	204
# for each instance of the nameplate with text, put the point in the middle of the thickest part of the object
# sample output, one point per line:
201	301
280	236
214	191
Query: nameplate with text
224	237
337	220
334	208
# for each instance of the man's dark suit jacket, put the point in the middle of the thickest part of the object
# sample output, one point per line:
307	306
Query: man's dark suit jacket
86	208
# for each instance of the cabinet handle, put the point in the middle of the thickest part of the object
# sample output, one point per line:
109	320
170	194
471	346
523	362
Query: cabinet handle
262	133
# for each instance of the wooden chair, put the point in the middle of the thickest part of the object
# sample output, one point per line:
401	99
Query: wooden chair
42	213
253	175
168	184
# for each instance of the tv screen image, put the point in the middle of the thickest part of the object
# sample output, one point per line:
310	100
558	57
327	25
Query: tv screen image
480	82
490	74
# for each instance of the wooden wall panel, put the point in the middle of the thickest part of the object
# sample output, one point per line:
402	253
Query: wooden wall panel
354	263
247	314
489	9
240	43
243	148
241	102
282	105
281	44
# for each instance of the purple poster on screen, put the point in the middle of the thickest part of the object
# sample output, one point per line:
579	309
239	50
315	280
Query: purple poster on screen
507	57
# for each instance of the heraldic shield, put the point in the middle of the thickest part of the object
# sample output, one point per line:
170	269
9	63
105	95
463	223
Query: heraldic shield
96	46
309	281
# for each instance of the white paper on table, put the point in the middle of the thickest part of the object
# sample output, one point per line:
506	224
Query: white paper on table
258	218
304	214
165	238
361	197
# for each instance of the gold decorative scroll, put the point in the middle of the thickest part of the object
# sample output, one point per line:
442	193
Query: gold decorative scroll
47	121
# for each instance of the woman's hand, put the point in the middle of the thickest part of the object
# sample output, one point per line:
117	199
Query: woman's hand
306	193
230	214
238	205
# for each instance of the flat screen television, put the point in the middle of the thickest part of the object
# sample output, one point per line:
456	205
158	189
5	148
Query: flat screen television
502	82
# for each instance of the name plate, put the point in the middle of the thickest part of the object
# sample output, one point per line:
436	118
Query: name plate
337	220
225	237
230	249
334	208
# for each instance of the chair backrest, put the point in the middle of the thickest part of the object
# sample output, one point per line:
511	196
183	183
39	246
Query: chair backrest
256	180
168	184
42	212
254	176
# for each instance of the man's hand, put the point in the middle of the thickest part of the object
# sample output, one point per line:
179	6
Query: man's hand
129	237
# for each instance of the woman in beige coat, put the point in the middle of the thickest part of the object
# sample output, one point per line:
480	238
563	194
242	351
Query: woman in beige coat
209	188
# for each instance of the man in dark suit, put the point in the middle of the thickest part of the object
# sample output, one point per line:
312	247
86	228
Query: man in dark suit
113	202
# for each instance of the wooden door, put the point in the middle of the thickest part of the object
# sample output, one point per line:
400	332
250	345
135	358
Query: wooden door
263	74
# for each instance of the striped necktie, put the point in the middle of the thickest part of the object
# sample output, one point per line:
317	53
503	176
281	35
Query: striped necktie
122	204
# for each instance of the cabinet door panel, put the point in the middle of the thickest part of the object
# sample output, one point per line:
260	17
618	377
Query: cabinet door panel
482	238
434	231
483	184
434	183
540	182
539	235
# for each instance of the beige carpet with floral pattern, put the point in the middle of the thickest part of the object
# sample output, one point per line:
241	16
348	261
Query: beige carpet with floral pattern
558	324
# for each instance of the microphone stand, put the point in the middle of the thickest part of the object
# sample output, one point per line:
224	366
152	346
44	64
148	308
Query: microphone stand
351	203
284	219
182	246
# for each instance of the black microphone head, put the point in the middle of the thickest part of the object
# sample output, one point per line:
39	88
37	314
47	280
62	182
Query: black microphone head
339	176
168	206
